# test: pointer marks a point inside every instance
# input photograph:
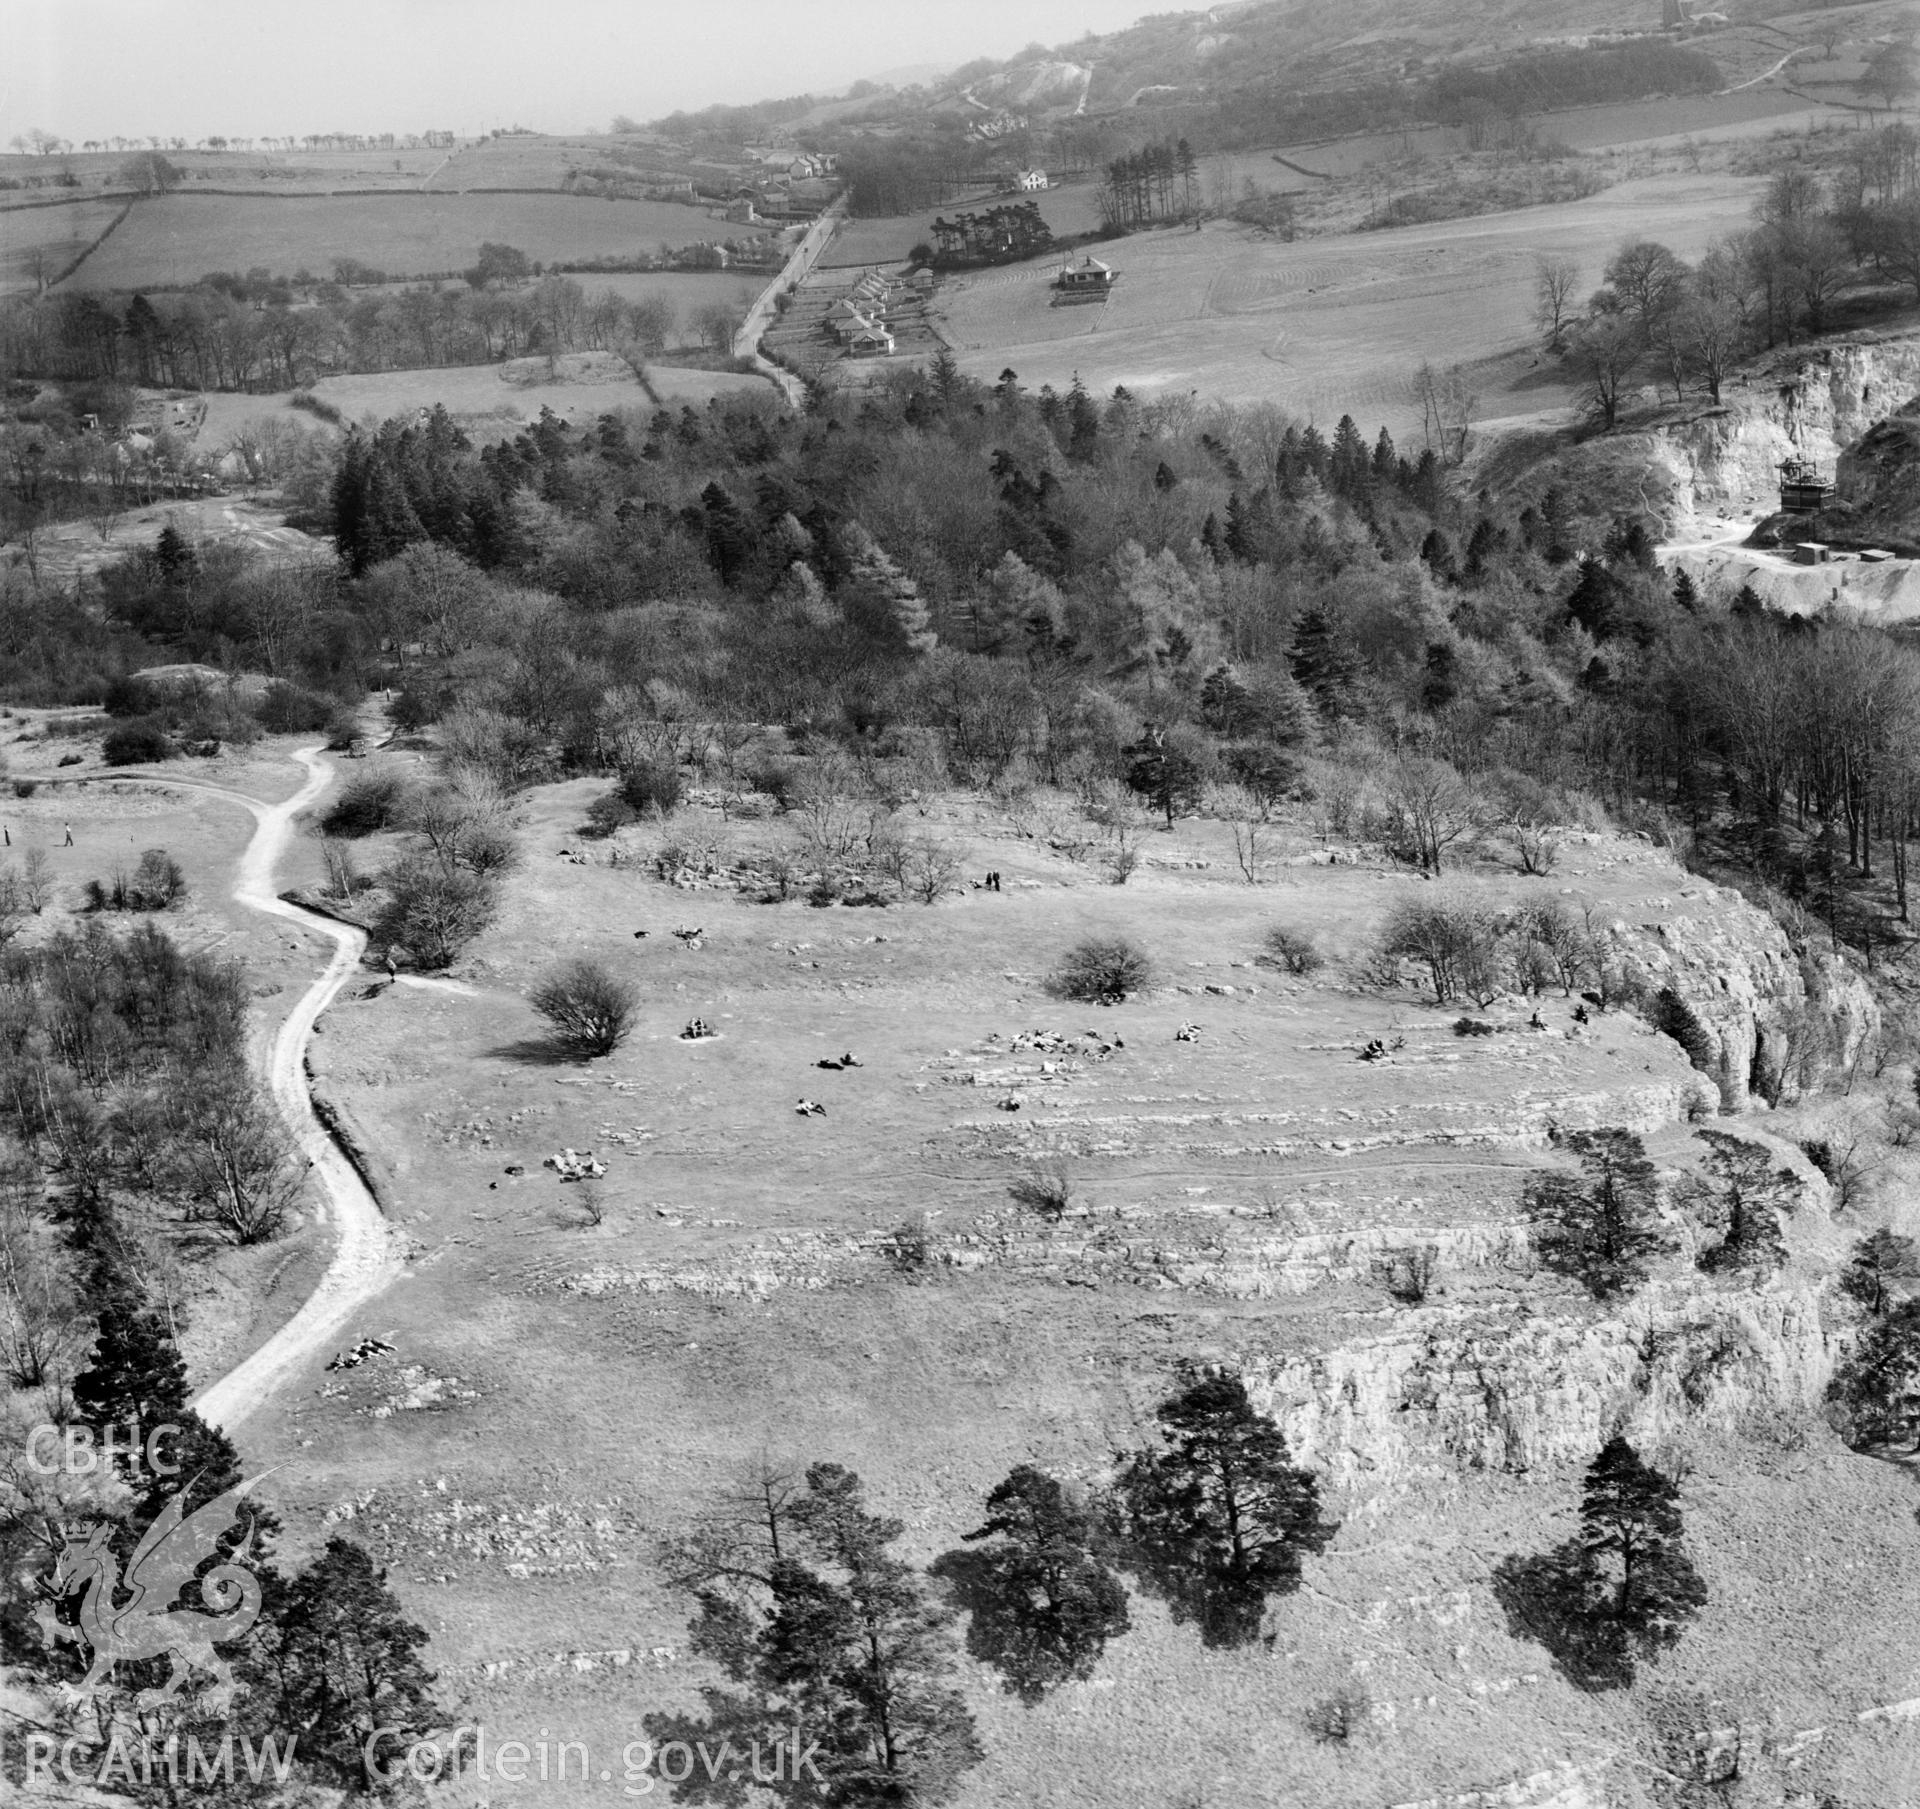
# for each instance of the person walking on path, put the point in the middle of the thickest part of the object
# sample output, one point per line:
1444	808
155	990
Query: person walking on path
69	829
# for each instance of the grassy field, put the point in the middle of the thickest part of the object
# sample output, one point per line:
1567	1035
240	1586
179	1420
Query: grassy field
1325	326
37	243
685	292
563	1391
177	238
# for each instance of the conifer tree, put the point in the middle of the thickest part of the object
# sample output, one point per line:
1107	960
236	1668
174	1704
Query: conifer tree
1877	1390
819	1626
1879	1259
1042	1601
1320	664
1622	1591
345	1667
1598	1226
1752	1193
1218	1518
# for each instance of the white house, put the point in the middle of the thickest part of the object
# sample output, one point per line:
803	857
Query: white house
1031	182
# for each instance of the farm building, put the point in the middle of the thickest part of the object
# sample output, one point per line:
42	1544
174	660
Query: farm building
1031	182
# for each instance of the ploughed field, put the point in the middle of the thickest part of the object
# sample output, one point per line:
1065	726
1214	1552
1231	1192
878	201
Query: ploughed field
563	1391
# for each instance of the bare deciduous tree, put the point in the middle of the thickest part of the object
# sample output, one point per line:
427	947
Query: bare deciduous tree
1556	282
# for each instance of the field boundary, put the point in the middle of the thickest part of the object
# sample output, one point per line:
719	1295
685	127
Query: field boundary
106	232
105	194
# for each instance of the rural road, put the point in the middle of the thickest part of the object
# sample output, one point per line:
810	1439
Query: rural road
364	1258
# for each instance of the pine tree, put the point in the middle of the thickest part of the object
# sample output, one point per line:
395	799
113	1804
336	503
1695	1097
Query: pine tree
1621	1592
1878	1388
1632	1532
134	1386
1483	545
346	1667
173	557
1042	1602
1685	596
1218	1518
1385	460
838	1637
1352	470
1598	1226
1320	664
1083	423
1239	536
1752	1193
1428	486
1166	768
1879	1259
1436	553
1594	600
881	595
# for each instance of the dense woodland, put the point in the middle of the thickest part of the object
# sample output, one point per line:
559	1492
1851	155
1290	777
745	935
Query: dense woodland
1021	587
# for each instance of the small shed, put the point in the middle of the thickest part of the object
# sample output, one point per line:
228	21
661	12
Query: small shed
1811	552
1087	276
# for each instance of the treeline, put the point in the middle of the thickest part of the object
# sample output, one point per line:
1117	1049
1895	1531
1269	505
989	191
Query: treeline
1793	272
1553	79
252	334
997	235
1151	184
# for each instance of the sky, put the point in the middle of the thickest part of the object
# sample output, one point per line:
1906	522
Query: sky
94	69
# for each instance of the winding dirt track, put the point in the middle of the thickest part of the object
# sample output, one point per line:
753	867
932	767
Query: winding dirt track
364	1258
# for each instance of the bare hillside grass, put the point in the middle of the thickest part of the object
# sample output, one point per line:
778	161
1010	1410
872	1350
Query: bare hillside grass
1326	325
568	1385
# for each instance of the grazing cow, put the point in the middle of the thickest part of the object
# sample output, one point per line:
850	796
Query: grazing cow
689	938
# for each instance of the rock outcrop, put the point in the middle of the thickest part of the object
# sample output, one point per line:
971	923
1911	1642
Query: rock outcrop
1809	402
1444	1391
1781	1022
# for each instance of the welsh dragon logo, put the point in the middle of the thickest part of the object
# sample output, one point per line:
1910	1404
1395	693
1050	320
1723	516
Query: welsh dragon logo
147	1625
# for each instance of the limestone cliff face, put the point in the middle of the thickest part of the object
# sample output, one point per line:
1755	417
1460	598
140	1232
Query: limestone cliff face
1781	1022
1439	1391
1879	480
1811	404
